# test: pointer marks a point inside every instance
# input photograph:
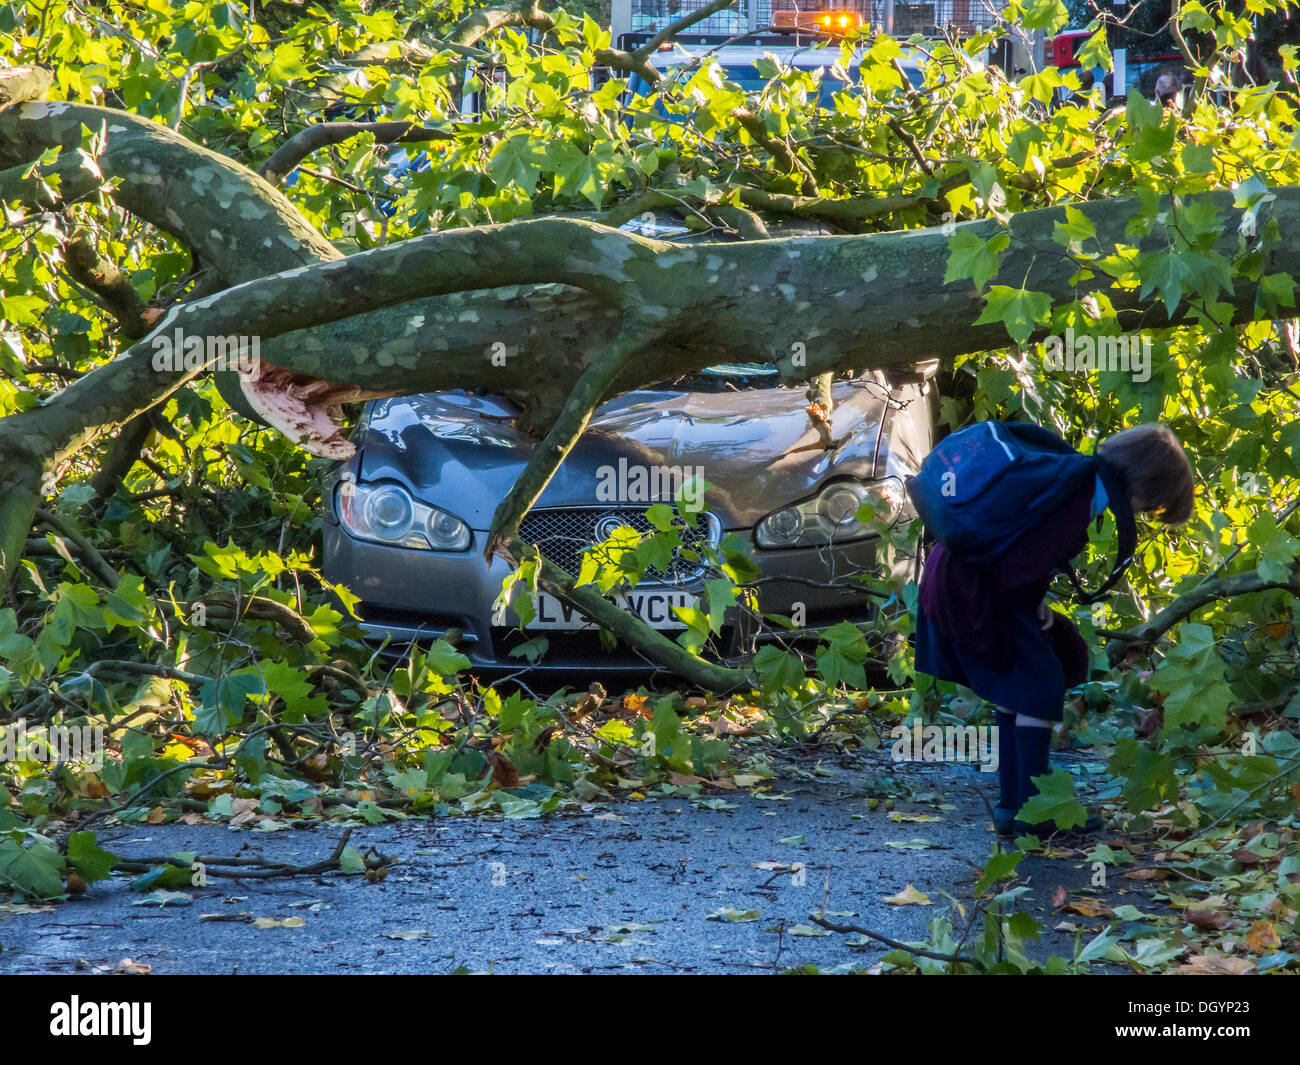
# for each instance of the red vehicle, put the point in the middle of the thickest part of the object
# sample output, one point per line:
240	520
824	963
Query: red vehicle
1130	71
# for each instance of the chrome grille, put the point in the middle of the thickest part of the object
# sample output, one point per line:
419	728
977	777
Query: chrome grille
561	534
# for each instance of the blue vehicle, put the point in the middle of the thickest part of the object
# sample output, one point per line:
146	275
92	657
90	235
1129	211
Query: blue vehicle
740	61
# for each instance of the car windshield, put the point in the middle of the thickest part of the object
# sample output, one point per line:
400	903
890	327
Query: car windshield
726	377
750	80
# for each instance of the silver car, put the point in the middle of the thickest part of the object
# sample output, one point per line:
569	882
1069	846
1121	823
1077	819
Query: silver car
406	517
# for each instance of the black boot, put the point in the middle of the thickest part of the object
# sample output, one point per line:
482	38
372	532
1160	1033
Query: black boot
1004	814
1033	745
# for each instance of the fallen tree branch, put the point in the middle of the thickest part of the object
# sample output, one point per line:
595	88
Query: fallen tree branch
108	283
777	148
85	550
1145	635
20	84
637	61
919	952
243	866
631	630
324	134
260	608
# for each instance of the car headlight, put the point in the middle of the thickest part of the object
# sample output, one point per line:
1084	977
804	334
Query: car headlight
387	514
843	510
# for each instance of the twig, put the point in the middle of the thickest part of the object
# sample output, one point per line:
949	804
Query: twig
918	951
262	868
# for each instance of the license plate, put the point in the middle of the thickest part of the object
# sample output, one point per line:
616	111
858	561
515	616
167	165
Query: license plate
652	607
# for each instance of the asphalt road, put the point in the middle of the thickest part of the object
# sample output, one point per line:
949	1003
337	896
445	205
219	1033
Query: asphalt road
624	888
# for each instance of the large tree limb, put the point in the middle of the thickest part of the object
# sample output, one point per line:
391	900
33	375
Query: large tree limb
240	225
845	302
20	84
603	367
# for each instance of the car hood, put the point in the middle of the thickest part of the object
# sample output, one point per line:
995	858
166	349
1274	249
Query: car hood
755	448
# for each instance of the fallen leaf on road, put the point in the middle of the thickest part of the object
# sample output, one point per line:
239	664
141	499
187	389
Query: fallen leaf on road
244	810
1262	937
1089	908
730	913
164	898
724	727
1215	965
271	922
1148	874
909	896
809	930
1212	920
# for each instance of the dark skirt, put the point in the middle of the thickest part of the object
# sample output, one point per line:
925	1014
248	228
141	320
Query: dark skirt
1042	666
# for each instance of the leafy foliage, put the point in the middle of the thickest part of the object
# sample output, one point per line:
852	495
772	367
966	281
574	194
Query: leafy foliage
193	624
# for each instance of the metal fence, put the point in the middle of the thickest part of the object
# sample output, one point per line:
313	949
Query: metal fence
929	17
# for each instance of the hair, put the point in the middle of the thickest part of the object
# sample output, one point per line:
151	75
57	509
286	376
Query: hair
1154	468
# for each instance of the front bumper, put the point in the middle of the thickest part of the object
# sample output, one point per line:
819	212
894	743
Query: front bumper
416	596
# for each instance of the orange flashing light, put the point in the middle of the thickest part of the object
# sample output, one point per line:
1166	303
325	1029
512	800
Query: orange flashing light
826	21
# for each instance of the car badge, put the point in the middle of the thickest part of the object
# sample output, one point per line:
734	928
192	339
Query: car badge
605	527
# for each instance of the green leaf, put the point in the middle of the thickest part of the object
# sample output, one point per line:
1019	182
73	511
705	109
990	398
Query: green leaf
291	685
840	659
1076	228
1055	801
731	913
1165	271
971	257
998	867
778	669
519	160
35	871
1095	52
223	701
1018	309
1192	674
88	859
1049	15
445	660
